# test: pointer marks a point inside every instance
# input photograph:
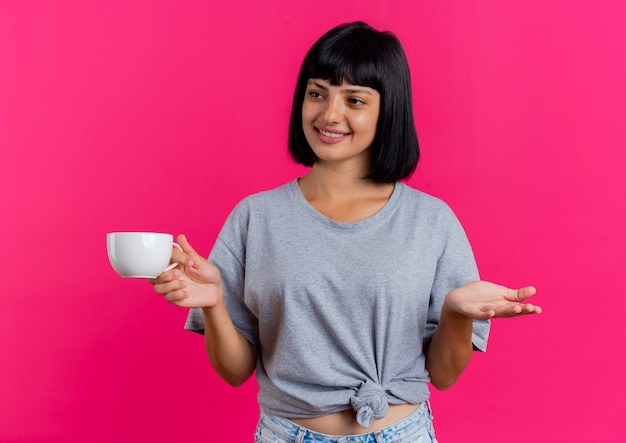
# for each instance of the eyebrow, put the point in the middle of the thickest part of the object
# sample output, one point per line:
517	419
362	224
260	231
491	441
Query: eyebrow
350	90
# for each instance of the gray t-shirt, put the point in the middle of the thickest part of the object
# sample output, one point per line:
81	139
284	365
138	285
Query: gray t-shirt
340	312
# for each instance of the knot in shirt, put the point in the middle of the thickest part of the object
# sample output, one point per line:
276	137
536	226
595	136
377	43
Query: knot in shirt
370	403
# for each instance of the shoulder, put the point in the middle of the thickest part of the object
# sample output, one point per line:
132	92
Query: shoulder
262	201
430	216
262	204
268	196
423	204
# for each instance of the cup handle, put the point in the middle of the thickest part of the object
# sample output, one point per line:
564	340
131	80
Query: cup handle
173	265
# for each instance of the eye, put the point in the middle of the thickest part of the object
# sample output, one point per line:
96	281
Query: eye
315	94
355	101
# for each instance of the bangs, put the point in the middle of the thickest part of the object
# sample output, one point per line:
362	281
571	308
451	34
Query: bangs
355	64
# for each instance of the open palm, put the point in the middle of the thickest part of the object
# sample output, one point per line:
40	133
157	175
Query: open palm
483	300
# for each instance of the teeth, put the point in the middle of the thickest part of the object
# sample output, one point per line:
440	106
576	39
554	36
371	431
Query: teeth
331	134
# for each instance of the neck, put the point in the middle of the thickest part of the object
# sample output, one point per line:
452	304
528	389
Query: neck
343	197
332	183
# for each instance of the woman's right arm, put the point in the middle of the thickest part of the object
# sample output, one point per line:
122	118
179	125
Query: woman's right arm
230	353
196	283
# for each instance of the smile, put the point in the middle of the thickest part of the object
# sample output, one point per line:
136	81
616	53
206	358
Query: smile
331	134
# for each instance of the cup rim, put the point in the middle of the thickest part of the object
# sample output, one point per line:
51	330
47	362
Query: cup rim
138	232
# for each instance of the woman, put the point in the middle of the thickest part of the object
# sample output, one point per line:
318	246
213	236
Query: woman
346	290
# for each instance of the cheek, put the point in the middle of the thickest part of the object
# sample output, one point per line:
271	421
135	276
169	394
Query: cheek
367	125
307	125
308	113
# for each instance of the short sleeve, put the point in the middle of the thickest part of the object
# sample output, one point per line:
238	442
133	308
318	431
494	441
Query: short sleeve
228	254
456	266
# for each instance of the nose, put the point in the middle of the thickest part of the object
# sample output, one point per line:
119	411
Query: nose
332	112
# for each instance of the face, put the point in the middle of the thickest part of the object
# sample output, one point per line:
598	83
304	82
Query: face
339	122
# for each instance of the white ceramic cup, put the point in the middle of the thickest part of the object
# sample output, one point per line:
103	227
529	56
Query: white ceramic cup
140	254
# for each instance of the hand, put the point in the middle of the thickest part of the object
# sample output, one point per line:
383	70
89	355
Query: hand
482	300
194	283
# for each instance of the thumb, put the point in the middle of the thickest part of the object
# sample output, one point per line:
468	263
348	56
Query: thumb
187	248
524	293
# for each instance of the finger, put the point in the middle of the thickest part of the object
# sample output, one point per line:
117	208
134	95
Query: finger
484	313
517	310
508	312
180	257
187	248
165	277
519	295
169	286
532	309
526	292
175	297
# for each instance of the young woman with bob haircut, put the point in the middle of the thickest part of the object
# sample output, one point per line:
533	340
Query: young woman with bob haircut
345	290
358	56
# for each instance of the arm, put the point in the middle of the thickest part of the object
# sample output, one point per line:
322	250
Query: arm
231	355
196	283
450	349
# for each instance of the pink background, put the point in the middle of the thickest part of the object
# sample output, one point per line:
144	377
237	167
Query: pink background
161	115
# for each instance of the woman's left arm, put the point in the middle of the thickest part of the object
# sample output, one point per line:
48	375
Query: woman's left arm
450	349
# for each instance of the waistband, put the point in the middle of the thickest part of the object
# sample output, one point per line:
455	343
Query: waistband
293	432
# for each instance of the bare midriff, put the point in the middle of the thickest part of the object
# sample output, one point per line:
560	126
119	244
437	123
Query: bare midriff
344	422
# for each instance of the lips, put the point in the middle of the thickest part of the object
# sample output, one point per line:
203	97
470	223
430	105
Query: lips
330	136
